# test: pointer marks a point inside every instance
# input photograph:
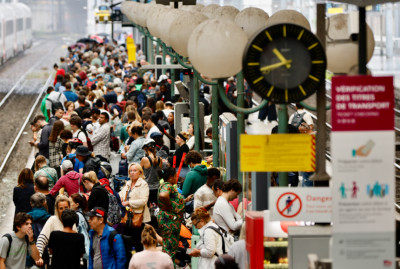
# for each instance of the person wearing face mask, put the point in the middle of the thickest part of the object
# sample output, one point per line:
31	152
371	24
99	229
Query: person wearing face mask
224	214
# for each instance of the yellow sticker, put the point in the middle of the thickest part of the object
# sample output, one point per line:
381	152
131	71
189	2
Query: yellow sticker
277	153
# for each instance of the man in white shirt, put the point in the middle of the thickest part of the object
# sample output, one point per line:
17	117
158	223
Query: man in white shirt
149	123
204	196
101	138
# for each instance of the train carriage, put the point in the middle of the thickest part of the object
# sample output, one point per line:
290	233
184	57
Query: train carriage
15	30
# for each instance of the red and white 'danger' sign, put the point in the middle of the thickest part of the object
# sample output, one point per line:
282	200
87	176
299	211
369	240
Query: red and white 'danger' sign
362	103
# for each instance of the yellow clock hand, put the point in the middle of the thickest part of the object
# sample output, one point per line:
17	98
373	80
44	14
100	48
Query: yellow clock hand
280	57
268	68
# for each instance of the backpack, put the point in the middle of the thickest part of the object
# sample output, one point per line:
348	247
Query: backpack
297	119
77	224
9	237
114	142
227	239
128	245
123	167
89	142
56	104
114	210
92	164
141	97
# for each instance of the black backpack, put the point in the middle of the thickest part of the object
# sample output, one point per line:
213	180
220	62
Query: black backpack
56	104
128	245
92	164
9	237
297	119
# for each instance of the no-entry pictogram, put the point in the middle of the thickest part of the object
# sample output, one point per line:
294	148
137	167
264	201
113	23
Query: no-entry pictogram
289	204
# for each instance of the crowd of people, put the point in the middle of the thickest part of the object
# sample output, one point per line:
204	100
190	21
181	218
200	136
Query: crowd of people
71	212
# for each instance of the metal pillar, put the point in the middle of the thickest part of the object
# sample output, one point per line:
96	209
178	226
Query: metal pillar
320	176
240	120
283	129
214	118
362	42
260	184
150	51
389	34
196	114
164	71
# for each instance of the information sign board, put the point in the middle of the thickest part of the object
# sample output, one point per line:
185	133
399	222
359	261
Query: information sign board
363	189
277	153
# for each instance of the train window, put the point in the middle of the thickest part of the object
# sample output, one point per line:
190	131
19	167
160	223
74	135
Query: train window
28	23
9	28
20	25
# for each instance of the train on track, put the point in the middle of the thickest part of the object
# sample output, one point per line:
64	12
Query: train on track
15	30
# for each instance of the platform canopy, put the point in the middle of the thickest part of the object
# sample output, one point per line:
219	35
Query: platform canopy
363	3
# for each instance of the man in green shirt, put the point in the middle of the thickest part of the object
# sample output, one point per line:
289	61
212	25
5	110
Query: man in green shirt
197	177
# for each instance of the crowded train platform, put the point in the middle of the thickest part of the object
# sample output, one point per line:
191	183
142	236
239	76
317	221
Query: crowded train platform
145	155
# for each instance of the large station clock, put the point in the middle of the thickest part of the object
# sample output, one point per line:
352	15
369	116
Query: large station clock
284	63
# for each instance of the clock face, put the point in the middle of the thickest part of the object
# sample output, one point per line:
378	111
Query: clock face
284	63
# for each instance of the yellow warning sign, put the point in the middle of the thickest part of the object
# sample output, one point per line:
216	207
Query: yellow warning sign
131	47
277	153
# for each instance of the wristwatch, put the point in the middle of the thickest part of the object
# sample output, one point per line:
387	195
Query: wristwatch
32	242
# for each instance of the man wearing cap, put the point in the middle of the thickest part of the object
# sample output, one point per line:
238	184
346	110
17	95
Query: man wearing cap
101	138
71	180
168	108
101	254
83	155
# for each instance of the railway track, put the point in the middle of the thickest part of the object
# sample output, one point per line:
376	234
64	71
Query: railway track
21	130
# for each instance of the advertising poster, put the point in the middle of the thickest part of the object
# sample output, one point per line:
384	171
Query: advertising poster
363	178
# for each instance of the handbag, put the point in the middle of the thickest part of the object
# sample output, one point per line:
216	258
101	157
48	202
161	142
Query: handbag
132	219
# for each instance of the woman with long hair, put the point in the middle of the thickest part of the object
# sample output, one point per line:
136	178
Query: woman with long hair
159	106
151	164
80	205
135	195
55	146
23	191
70	107
158	259
172	207
180	152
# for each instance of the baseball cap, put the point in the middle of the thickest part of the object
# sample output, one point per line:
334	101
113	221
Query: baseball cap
97	212
156	134
67	165
161	78
149	143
